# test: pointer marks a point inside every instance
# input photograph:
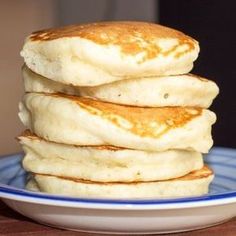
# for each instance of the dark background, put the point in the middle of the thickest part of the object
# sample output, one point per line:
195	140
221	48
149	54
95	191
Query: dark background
213	24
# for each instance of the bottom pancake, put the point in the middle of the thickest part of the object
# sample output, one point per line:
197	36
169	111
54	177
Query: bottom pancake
194	184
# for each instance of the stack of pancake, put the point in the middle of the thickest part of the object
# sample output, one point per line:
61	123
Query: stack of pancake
111	111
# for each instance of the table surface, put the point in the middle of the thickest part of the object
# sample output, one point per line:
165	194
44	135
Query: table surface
12	223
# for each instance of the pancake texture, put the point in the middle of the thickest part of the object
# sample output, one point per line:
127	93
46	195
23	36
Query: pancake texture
36	83
178	90
100	53
105	163
83	121
194	184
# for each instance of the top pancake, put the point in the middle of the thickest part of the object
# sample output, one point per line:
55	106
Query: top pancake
131	37
98	53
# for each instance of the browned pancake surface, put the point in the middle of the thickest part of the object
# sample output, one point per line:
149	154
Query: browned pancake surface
29	135
132	37
198	174
142	121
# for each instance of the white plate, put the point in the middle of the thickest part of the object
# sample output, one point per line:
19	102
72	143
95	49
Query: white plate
125	216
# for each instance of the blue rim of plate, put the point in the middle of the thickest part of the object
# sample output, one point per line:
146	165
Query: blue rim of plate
231	196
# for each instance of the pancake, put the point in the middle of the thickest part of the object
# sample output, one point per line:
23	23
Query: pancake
105	163
83	121
36	83
100	53
178	90
193	184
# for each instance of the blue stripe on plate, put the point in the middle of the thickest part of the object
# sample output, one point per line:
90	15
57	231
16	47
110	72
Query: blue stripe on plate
112	201
220	186
7	167
226	177
220	164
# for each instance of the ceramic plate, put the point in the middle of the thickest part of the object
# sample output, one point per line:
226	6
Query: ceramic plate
125	216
